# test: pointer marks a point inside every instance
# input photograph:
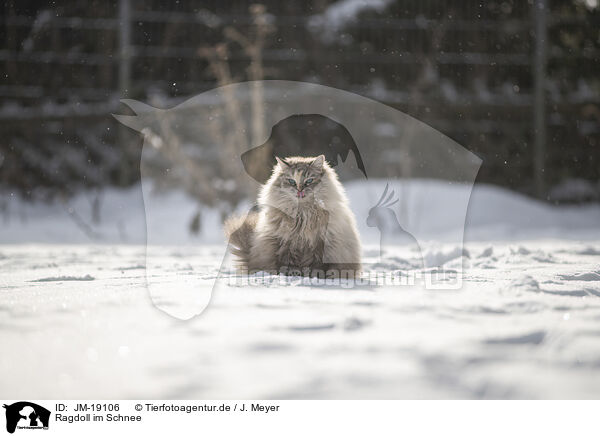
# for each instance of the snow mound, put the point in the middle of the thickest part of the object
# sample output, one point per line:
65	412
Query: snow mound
525	283
85	278
494	214
584	277
439	258
588	251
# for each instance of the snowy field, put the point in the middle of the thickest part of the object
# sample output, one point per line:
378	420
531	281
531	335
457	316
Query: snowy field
76	319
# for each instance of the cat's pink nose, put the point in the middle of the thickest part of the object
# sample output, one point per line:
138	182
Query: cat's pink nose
301	194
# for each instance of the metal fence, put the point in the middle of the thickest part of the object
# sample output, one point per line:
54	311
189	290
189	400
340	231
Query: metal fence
515	82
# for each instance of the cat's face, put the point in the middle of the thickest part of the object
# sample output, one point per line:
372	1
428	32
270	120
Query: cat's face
300	177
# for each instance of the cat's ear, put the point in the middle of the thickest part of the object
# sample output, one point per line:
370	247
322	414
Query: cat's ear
282	163
318	162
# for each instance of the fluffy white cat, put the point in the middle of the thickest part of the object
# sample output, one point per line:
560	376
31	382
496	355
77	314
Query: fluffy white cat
304	224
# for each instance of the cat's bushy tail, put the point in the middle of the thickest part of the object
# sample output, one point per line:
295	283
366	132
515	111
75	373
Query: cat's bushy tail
239	230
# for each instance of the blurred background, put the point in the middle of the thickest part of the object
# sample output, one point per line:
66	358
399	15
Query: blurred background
515	82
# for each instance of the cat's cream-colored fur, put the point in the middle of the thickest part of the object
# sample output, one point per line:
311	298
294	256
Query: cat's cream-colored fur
310	231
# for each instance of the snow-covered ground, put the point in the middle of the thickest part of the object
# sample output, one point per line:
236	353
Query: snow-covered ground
76	319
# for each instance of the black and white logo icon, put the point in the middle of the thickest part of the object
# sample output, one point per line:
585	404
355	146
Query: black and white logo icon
26	415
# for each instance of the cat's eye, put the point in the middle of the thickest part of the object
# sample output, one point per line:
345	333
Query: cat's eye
292	182
308	181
